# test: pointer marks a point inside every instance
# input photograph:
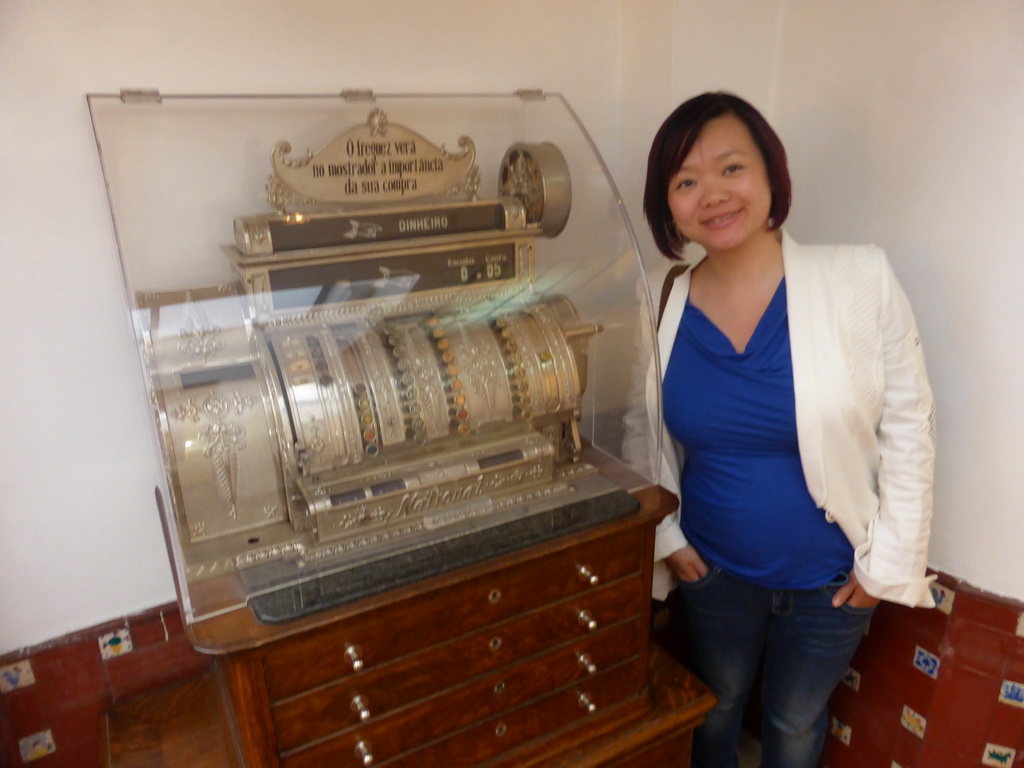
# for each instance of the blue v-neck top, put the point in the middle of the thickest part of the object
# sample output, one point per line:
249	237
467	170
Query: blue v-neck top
745	504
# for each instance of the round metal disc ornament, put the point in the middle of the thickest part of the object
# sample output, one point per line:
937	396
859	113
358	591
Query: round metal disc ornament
538	176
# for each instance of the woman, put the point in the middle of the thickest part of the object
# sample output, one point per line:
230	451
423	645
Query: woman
800	433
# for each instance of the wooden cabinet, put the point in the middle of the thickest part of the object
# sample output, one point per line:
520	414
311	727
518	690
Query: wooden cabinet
517	661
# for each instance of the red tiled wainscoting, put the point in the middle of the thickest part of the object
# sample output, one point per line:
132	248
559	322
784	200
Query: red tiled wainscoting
53	694
940	688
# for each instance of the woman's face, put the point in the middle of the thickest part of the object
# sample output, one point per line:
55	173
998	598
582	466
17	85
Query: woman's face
720	197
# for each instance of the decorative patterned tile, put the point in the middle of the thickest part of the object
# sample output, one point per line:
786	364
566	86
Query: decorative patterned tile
926	662
944	597
841	731
36	746
852	679
878	737
998	755
16	675
914	722
116	643
1012	693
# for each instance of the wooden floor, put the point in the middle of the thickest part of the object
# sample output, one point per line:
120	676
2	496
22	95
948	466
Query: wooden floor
175	727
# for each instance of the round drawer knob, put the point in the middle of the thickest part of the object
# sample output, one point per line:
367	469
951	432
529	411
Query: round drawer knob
586	703
494	596
495	643
499	688
501	729
587	663
586	620
587	576
364	753
361	707
354	654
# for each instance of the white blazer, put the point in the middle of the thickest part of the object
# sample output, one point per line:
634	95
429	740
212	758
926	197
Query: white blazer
864	413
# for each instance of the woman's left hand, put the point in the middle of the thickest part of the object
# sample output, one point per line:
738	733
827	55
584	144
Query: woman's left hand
854	594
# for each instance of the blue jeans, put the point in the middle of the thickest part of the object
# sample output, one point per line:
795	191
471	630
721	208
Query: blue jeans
806	645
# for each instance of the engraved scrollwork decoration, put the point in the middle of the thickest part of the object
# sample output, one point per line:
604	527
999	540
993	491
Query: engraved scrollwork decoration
378	122
316	445
283	199
284	148
279	194
520	178
198	340
468	188
224	439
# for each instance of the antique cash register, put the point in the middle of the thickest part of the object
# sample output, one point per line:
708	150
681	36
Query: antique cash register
390	344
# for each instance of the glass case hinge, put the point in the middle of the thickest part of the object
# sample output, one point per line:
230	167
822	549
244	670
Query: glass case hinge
358	94
530	93
135	95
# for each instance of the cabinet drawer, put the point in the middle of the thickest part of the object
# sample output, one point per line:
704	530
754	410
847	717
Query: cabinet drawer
523	709
335	708
403	627
519	727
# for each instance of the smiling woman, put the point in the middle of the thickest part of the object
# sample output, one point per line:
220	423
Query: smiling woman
720	196
671	153
784	365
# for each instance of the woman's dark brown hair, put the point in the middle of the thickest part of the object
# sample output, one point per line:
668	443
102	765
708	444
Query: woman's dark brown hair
673	142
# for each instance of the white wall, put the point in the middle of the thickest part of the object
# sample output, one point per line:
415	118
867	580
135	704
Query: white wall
903	120
905	126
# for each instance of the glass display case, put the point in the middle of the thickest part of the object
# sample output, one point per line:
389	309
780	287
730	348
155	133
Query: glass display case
383	336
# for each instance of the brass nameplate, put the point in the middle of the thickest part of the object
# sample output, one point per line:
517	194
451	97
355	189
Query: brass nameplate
371	164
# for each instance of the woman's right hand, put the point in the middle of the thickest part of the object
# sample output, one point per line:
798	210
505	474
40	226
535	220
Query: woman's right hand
687	564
